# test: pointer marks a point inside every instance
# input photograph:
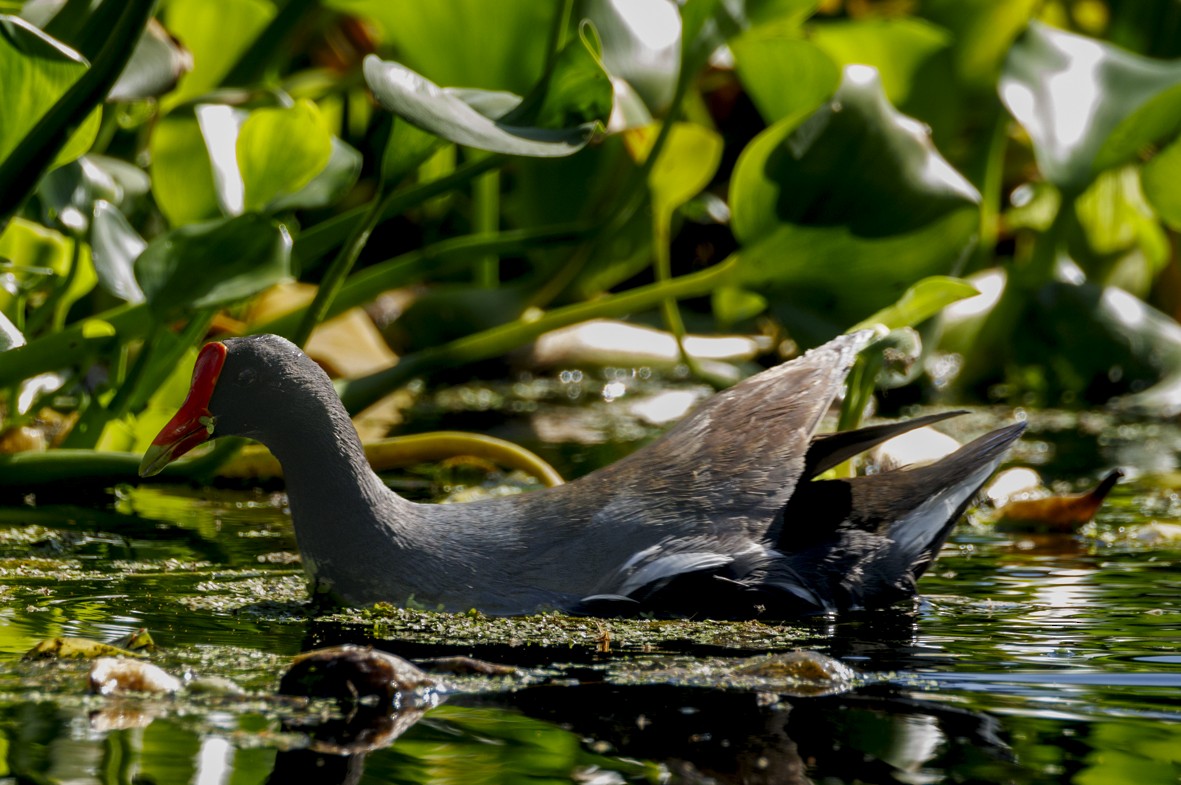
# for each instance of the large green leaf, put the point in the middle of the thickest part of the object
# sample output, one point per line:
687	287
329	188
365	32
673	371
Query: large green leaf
280	150
213	264
35	71
844	212
1087	105
768	61
182	177
466	43
217	32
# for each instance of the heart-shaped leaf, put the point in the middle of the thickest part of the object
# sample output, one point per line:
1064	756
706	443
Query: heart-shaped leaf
280	150
182	177
213	264
155	67
1087	105
844	212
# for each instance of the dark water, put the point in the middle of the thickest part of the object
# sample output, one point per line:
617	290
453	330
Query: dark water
1028	660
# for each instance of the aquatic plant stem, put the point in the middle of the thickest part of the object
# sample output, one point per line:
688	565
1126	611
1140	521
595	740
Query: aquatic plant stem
361	392
486	220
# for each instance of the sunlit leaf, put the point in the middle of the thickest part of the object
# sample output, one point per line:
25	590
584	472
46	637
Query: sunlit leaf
42	256
212	264
984	30
459	42
216	32
767	62
10	337
1123	242
920	302
115	246
35	71
687	163
280	150
330	185
1087	105
1161	179
731	305
841	214
423	103
897	48
182	177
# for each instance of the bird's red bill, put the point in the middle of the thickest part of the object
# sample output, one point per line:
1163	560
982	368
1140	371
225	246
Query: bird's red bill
191	425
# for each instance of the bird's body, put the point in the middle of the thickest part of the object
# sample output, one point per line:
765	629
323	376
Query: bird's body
720	516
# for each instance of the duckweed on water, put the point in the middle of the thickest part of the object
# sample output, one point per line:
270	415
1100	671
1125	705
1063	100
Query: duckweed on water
387	622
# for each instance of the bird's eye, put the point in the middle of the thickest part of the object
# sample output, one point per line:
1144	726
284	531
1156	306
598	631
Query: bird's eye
246	376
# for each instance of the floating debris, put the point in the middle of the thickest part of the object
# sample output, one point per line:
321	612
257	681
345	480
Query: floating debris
118	676
1056	514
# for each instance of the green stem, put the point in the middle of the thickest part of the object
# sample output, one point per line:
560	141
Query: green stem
557	33
487	221
76	344
325	236
359	393
439	258
991	186
341	266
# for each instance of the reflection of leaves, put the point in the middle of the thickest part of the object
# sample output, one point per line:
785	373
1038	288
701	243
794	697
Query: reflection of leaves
1087	105
212	264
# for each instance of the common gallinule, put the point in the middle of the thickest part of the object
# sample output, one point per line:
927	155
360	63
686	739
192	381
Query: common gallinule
720	516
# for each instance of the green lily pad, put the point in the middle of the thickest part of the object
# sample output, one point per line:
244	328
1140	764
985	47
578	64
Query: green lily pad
213	264
839	215
1087	105
35	70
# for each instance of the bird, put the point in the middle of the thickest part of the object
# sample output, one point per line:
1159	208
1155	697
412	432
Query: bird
725	515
